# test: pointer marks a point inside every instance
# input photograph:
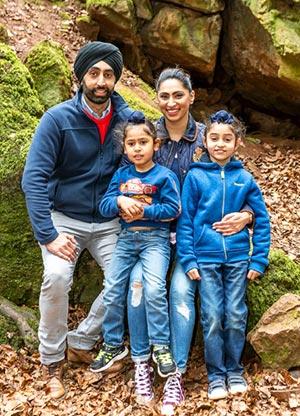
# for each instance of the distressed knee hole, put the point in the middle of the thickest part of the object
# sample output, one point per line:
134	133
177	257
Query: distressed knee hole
137	292
184	311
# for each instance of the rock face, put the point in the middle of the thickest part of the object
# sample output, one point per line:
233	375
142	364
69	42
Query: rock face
276	337
249	50
50	71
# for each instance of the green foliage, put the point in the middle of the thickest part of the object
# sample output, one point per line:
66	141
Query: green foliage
137	103
282	276
50	71
20	110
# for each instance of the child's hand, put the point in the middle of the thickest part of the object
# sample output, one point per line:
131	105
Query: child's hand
252	274
129	206
193	274
131	218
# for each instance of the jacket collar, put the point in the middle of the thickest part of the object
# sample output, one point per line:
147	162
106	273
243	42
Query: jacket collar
189	135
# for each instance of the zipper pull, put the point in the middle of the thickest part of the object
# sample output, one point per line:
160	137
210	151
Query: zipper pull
222	174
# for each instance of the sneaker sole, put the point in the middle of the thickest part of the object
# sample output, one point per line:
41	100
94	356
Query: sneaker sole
112	361
171	373
239	391
221	395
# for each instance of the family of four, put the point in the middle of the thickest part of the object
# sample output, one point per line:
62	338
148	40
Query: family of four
141	197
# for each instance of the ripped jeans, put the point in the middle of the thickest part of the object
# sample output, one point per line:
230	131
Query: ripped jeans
182	316
151	250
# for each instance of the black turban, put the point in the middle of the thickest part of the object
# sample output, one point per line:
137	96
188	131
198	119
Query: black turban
98	51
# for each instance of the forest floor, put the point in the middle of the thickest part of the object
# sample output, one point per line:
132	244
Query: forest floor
275	164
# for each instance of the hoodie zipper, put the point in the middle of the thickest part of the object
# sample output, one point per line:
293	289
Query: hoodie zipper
223	209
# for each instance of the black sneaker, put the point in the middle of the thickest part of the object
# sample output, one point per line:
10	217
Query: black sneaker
165	364
107	356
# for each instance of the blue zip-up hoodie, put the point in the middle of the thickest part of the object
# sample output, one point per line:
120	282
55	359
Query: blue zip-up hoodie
210	192
157	189
68	169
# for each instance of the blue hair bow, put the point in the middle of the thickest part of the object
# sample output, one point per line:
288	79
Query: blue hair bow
137	117
222	117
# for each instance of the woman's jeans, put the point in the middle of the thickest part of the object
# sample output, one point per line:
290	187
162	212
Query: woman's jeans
152	248
99	240
223	317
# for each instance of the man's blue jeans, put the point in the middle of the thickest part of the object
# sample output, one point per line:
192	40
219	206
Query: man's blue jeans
223	317
152	248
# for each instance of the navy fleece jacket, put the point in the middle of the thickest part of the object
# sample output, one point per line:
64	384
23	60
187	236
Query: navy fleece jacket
209	193
68	169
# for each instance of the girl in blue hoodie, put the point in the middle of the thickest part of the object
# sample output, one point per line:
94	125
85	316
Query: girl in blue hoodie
221	265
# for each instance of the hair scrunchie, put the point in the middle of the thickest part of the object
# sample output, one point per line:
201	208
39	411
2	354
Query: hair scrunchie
222	116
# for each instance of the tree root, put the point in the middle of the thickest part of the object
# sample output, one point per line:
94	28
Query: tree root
12	311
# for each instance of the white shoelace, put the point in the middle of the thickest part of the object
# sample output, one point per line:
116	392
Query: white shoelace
143	382
173	391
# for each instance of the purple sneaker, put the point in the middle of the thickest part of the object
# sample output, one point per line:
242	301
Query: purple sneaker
173	394
143	380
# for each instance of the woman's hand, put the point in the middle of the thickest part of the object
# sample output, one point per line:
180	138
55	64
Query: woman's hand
193	274
232	223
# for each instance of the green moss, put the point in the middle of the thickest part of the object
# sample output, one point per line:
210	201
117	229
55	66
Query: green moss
282	276
21	264
137	103
20	110
101	3
63	15
149	90
50	71
9	333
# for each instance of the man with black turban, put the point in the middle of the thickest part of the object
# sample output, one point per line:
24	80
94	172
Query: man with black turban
72	158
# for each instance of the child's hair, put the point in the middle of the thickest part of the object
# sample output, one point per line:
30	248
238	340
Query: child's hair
137	117
222	116
175	73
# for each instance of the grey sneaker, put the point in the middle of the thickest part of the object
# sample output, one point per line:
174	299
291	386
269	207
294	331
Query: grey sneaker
107	356
237	384
166	366
217	390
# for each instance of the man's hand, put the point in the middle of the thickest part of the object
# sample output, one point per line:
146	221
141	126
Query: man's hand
193	274
64	246
232	223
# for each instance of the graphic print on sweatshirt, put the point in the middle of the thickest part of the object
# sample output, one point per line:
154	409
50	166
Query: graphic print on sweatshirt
135	188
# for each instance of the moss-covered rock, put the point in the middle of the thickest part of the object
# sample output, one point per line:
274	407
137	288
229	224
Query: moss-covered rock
9	333
136	103
282	276
20	110
50	71
21	263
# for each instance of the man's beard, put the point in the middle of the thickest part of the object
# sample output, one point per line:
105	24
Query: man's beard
89	93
